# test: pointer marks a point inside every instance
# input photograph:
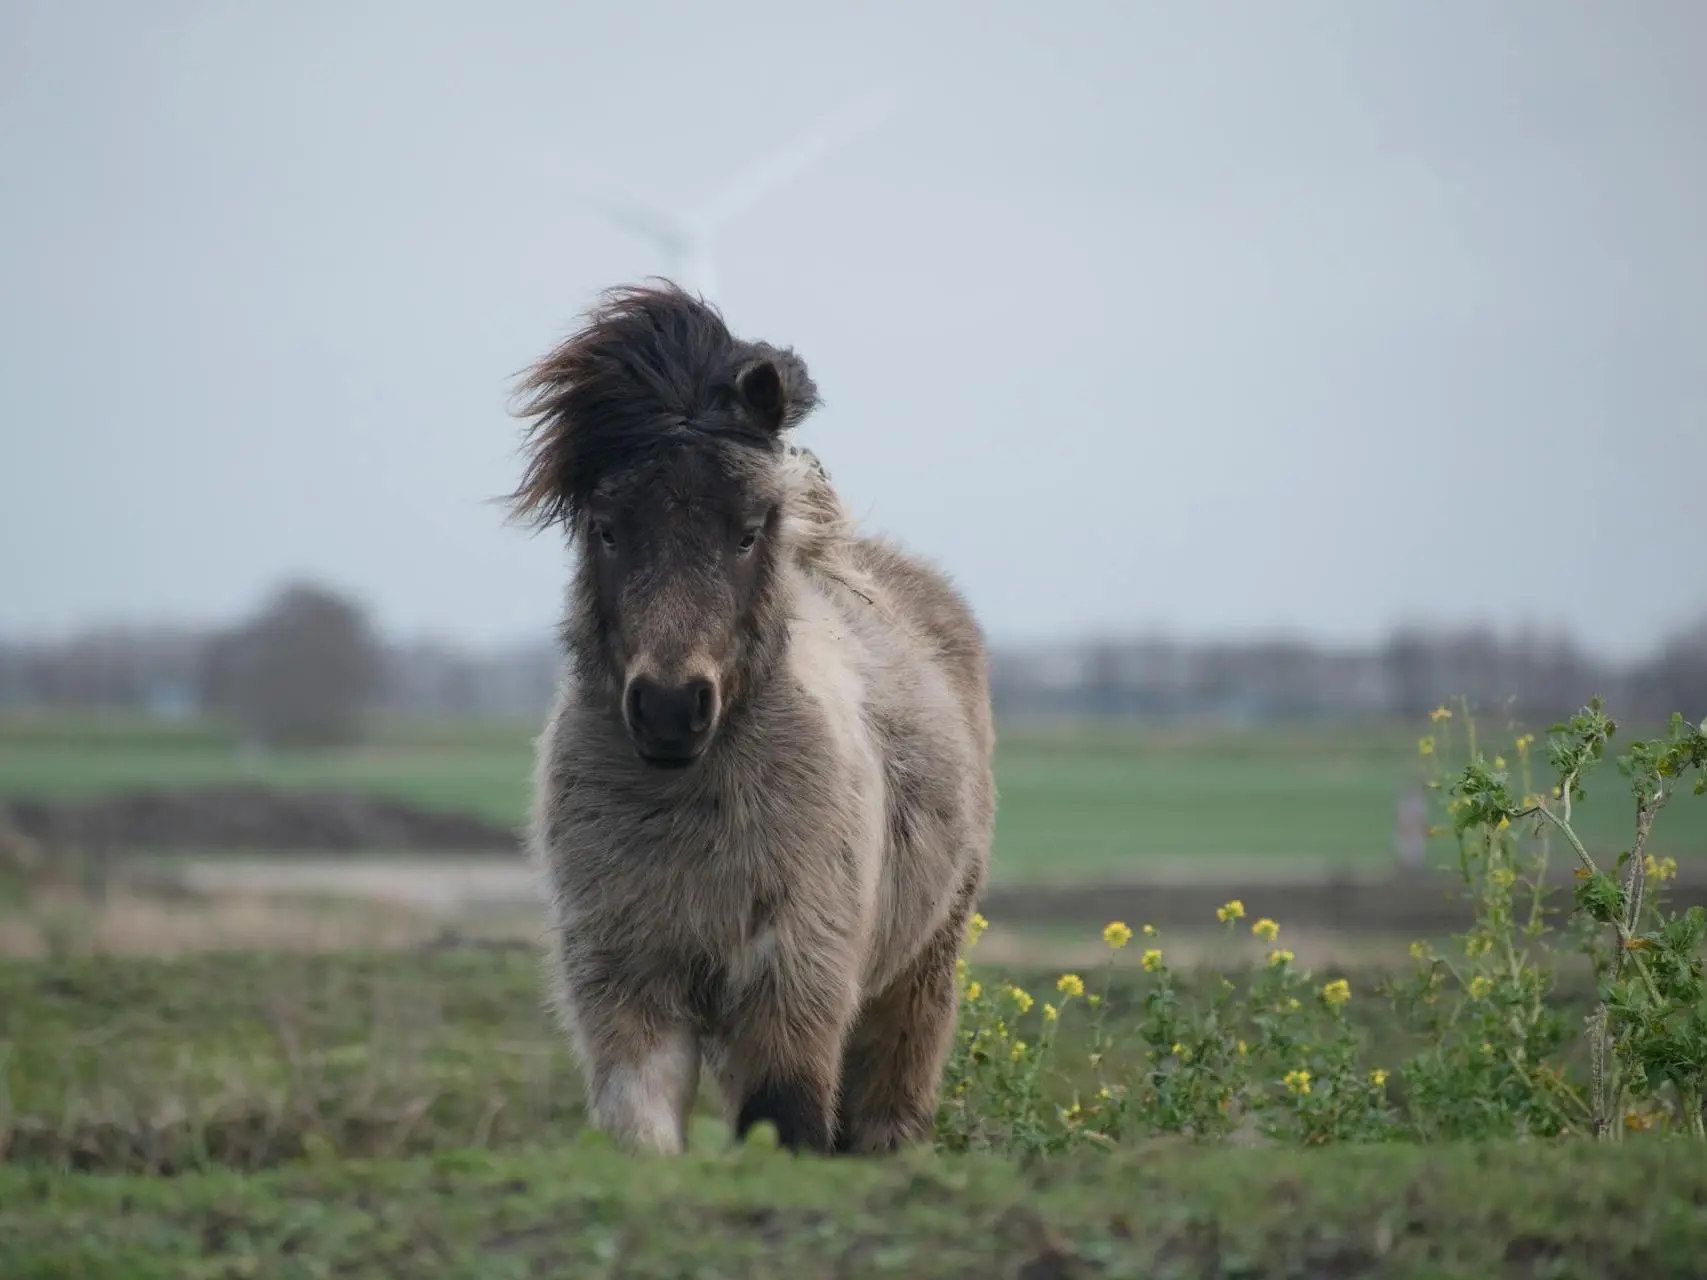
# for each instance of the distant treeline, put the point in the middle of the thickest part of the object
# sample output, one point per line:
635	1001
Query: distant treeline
1536	679
308	666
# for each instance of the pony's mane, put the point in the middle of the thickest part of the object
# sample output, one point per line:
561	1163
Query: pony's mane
820	529
649	364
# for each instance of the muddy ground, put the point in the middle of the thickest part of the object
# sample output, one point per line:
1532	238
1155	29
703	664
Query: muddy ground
231	818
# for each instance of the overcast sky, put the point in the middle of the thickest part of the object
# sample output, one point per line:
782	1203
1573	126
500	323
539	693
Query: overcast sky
1312	317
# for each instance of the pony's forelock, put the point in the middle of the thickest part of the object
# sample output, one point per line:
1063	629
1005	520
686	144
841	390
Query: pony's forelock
648	364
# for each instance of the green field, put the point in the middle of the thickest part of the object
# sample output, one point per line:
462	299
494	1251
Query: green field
414	1115
1071	803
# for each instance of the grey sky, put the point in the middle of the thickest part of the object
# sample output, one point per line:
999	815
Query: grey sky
1210	316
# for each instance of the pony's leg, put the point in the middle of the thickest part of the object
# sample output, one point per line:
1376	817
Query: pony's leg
892	1067
642	1076
782	1058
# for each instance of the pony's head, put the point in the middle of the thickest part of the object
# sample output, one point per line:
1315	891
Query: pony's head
656	442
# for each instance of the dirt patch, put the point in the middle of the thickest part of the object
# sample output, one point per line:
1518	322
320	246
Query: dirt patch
443	884
245	817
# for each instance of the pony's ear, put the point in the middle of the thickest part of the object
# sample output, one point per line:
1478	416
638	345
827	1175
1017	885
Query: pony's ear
761	391
775	388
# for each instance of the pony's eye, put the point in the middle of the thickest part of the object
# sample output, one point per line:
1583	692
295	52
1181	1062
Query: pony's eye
747	540
605	535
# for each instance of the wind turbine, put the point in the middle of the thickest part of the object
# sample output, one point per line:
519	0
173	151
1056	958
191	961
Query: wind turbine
685	239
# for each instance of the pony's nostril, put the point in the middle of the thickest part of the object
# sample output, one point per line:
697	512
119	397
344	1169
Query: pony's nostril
700	721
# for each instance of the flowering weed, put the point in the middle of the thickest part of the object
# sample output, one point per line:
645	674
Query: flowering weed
1270	1050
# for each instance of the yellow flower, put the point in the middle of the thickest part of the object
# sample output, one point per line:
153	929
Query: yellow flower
1243	1048
1234	910
1096	1059
1152	960
975	928
1503	823
1018	1051
1149	931
1440	713
1480	985
1378	1077
1094	1001
1071	984
1337	992
1659	869
1502	877
1292	1004
1425	746
960	967
1178	1049
1116	935
1050	1013
1499	762
1419	951
1021	998
1297	1081
1279	957
1104	1093
1487	1048
1524	742
1531	801
1266	929
975	990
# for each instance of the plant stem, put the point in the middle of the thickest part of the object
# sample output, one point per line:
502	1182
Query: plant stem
1636	881
1563	824
1690	1099
1597	1070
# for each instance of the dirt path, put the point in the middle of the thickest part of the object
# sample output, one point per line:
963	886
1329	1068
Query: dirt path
444	884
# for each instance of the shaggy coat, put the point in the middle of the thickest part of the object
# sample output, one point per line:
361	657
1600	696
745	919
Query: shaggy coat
763	798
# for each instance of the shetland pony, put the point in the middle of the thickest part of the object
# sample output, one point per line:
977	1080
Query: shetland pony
763	796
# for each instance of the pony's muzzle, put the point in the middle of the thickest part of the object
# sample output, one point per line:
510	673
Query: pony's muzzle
670	723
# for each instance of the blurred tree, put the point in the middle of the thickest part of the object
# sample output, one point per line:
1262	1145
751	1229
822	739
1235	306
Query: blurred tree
303	672
1675	679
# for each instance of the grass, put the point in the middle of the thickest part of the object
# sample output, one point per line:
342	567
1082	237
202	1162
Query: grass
1080	803
414	1113
251	1059
470	768
581	1210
